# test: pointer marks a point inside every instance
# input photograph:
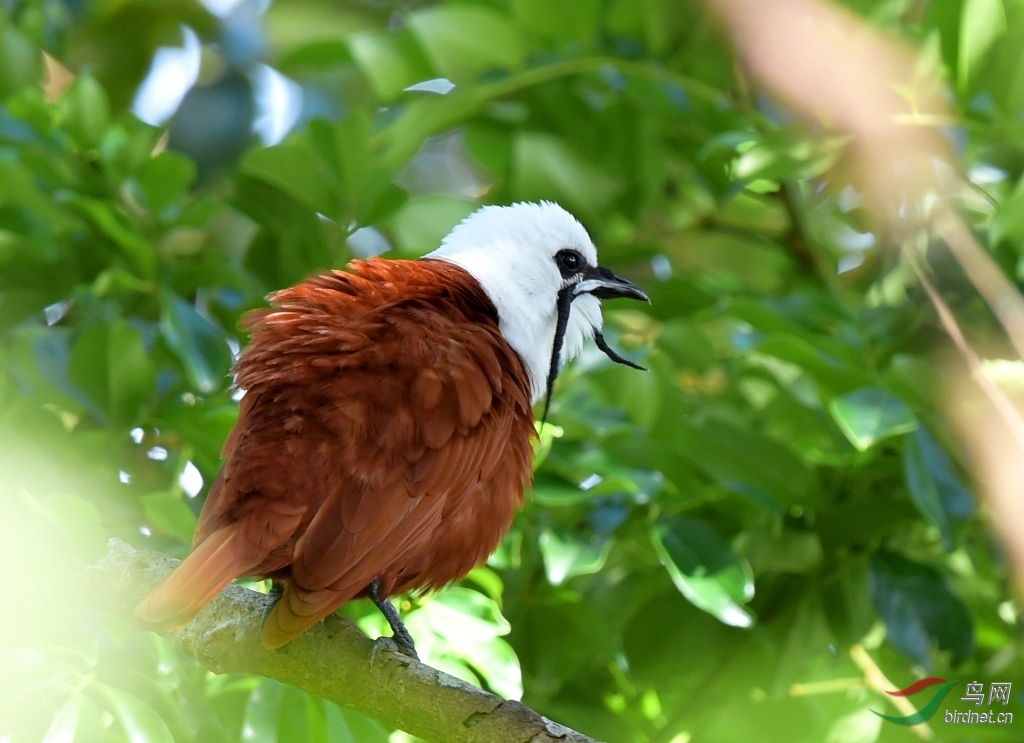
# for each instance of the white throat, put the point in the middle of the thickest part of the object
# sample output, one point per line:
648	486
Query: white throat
510	252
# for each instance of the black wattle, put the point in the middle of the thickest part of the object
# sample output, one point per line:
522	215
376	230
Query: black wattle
610	353
564	306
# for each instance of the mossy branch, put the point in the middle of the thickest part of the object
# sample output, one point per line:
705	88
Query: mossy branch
332	660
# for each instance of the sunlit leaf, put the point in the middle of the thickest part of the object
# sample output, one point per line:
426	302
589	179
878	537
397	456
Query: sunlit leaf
862	726
138	721
982	22
64	725
461	626
567	555
704	568
262	712
871	414
167	512
391	61
465	40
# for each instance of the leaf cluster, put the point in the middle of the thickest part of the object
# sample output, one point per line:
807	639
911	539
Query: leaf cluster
700	541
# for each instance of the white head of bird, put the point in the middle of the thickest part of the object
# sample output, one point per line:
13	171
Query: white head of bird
538	265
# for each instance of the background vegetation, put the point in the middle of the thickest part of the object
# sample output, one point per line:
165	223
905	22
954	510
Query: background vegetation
704	544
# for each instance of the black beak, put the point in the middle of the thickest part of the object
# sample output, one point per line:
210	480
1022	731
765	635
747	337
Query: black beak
603	284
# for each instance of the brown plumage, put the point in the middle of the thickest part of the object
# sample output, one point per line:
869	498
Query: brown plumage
383	441
384	434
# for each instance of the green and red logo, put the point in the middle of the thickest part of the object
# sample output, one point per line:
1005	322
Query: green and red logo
926	712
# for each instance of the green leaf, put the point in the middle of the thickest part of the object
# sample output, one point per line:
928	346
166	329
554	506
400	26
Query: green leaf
936	488
88	365
76	518
982	22
111	365
544	167
729	262
166	510
302	718
348	726
558	20
78	720
740	460
20	61
548	494
136	249
165	179
423	221
198	343
1008	221
368	193
704	568
790	552
19	186
567	555
291	243
862	726
62	729
262	712
138	721
464	40
132	374
390	61
297	171
546	435
871	414
464	627
85	111
919	608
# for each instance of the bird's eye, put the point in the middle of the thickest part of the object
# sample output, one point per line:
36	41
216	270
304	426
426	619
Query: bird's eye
570	262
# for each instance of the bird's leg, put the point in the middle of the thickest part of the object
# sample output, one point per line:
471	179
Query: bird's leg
399	633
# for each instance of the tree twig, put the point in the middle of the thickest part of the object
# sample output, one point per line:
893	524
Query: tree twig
876	680
334	660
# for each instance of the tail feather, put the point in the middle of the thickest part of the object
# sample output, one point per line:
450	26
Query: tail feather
214	563
296	611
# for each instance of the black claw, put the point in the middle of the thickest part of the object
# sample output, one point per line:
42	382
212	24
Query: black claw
610	352
399	633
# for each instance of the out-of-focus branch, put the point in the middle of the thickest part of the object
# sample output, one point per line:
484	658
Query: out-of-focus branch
333	660
832	68
998	291
994	434
1004	407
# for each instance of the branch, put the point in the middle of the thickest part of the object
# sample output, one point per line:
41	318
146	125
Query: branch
332	660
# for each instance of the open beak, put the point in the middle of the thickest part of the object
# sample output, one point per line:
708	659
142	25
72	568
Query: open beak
603	284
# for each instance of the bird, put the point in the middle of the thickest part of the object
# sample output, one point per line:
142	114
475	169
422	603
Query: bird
384	435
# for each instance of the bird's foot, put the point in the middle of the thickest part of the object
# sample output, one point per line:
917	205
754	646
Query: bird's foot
400	635
391	645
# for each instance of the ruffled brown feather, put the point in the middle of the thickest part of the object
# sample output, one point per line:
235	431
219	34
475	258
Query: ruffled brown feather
384	433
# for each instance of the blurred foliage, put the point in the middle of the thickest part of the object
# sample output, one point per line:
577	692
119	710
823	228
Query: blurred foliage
779	487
